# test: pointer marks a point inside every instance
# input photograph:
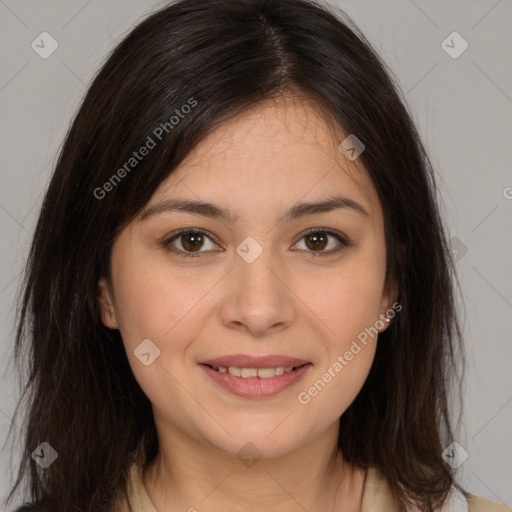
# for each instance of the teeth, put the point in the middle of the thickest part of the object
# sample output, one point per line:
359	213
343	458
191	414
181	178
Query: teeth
265	373
246	373
236	372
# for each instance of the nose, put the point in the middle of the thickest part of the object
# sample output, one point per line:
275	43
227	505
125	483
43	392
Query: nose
258	299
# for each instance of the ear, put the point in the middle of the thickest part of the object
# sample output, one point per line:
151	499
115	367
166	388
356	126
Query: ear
108	314
389	303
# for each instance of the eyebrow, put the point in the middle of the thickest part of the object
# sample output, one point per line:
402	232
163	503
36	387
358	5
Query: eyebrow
227	214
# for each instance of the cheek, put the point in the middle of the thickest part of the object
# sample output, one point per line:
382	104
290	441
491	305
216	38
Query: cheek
348	303
339	387
343	372
152	302
163	307
349	306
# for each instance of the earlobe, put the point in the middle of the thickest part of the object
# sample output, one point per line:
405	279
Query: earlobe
108	316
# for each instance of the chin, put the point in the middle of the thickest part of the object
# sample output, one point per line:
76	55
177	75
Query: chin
259	441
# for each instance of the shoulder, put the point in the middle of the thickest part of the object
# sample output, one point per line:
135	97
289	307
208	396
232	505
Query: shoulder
377	496
477	504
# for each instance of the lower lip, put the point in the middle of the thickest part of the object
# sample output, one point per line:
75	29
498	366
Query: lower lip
254	387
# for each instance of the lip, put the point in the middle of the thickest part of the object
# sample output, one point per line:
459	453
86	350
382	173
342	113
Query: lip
247	361
254	387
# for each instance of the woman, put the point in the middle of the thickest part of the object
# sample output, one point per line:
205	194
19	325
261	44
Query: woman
239	280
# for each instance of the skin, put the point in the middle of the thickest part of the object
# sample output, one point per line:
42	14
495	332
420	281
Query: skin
286	302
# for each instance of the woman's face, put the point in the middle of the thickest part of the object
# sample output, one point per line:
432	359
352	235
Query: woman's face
258	286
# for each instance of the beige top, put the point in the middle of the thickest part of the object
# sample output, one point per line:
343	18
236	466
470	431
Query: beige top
376	497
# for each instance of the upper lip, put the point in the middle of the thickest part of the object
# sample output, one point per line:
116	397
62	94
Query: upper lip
247	361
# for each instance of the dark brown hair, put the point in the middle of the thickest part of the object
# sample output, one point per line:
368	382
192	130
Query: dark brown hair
226	56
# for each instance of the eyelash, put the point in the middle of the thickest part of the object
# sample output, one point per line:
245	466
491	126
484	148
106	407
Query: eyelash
344	242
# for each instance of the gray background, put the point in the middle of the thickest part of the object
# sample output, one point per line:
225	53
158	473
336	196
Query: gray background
463	110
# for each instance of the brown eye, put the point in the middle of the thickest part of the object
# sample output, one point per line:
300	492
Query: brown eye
317	239
193	240
190	240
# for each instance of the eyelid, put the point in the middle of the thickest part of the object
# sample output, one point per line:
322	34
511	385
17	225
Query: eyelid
343	240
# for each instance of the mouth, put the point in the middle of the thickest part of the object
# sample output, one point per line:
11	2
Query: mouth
255	382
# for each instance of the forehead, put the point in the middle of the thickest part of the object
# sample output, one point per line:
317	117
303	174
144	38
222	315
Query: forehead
279	150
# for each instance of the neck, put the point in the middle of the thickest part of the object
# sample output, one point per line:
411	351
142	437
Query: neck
190	475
